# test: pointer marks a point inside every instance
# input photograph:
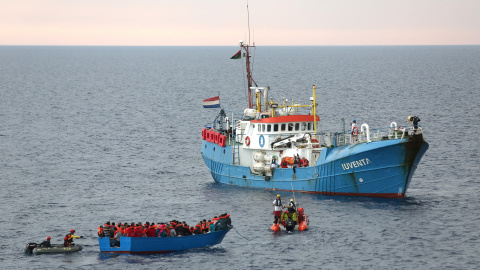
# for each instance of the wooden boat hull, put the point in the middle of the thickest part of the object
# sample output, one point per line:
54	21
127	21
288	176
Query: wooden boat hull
153	245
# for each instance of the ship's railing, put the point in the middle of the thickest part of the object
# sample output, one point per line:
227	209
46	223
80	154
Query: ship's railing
331	139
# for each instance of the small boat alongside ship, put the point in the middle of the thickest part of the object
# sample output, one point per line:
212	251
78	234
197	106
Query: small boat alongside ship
154	245
289	220
33	248
378	162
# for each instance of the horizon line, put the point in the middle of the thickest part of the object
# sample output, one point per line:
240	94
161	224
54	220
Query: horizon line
338	45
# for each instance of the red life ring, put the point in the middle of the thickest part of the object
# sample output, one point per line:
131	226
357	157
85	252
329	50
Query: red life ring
355	130
315	141
247	141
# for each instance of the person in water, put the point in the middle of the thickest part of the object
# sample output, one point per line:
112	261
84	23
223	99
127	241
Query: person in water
68	239
46	243
277	212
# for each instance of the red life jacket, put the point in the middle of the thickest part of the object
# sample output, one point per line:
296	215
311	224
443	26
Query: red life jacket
67	240
198	229
305	162
151	231
139	231
130	231
284	164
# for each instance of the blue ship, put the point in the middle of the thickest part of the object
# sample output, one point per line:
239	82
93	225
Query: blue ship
376	162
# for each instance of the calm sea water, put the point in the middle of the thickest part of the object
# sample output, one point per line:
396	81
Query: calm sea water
96	134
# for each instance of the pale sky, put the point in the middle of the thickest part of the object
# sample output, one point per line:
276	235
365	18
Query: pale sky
224	22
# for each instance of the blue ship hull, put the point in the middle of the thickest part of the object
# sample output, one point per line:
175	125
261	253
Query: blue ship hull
378	169
153	245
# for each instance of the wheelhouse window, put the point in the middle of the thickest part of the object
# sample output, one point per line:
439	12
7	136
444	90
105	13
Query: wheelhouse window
283	127
297	126
304	126
263	128
290	126
275	128
309	126
269	128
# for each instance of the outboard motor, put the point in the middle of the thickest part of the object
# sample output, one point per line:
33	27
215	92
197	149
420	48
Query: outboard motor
29	248
289	224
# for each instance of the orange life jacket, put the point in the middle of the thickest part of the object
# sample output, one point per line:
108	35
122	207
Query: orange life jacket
139	231
305	162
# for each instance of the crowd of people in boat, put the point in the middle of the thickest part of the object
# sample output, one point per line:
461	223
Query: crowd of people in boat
173	228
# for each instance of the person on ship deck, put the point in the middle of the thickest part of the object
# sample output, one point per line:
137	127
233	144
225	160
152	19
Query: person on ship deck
284	163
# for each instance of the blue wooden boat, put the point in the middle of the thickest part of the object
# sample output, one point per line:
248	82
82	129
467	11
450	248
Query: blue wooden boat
154	245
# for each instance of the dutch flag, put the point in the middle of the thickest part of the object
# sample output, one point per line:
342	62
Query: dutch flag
213	102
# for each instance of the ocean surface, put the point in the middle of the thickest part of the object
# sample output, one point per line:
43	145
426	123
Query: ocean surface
96	134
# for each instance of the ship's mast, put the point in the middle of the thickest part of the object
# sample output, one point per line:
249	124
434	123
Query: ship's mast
247	47
250	80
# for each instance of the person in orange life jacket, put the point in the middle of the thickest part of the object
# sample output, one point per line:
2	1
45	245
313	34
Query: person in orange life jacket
68	239
139	230
151	231
305	162
205	227
101	232
130	230
46	243
115	239
198	228
277	213
284	163
211	226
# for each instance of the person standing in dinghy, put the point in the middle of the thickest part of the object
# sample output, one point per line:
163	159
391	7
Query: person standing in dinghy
277	212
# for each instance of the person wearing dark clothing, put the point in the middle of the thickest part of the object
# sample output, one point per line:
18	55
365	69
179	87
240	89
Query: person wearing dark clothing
221	223
46	243
292	208
415	121
229	220
179	229
295	163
